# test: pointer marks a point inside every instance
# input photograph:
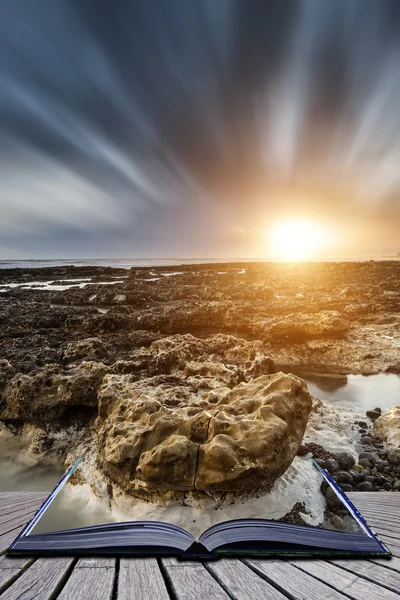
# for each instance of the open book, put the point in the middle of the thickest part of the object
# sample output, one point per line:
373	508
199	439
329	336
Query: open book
233	537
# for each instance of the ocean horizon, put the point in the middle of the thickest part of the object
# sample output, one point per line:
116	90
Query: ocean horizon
127	263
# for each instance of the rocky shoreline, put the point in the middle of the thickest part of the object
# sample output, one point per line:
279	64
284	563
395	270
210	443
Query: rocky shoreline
139	368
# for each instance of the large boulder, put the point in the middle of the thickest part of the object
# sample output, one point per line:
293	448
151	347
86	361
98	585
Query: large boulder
387	427
170	434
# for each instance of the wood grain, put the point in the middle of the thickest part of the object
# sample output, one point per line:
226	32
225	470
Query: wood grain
293	581
141	578
193	582
354	586
91	578
41	580
242	582
376	573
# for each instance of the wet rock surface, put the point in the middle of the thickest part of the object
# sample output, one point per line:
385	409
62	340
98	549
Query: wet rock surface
186	339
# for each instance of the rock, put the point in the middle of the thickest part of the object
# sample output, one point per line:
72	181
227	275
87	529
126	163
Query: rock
298	327
394	456
371	456
345	460
329	493
337	522
344	477
335	504
366	440
366	486
387	427
223	440
387	486
49	394
370	478
358	468
346	487
332	465
363	424
40	443
322	463
357	477
303	450
373	414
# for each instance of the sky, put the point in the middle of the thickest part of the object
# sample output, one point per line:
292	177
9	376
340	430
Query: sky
190	128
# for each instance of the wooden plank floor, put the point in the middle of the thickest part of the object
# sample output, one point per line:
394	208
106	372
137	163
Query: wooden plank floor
224	579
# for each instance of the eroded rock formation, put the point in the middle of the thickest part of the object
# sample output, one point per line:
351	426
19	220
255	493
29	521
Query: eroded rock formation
387	427
187	436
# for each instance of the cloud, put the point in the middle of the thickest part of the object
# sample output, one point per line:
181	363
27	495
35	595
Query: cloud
108	117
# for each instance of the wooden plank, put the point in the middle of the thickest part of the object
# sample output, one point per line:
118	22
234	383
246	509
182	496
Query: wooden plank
241	581
193	582
41	580
393	563
10	569
23	511
376	573
141	578
354	586
293	581
91	578
17	521
7	538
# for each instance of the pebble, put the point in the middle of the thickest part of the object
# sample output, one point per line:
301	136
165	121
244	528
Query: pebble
337	522
357	477
346	487
366	440
331	465
345	460
394	456
358	468
373	414
344	477
371	456
364	462
366	486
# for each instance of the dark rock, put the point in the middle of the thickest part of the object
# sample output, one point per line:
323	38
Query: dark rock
366	440
373	414
345	460
332	465
371	479
357	477
346	487
322	463
335	504
363	425
364	462
366	486
365	473
371	456
303	450
387	486
344	477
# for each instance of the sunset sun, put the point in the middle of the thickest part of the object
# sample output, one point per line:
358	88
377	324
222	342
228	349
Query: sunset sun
298	239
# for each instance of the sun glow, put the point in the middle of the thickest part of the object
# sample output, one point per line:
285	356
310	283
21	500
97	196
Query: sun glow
298	239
